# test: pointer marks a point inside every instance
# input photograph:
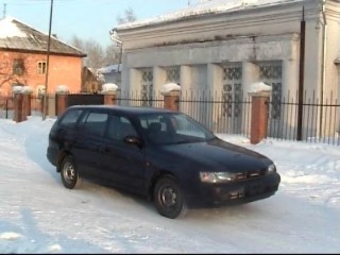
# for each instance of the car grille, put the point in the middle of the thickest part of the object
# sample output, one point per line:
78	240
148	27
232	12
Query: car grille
250	175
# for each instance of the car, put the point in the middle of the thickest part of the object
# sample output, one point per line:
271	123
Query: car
162	155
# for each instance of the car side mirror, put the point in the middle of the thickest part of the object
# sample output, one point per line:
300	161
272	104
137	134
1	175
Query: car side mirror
133	140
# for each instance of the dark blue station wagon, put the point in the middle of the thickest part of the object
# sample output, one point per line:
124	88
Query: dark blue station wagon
162	155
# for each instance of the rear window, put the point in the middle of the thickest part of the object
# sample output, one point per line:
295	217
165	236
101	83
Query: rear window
70	118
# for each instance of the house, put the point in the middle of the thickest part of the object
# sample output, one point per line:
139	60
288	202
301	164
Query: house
111	74
90	81
23	59
226	45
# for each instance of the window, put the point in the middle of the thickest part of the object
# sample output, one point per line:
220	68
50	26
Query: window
40	91
41	67
119	128
173	74
18	67
147	86
95	123
271	74
70	118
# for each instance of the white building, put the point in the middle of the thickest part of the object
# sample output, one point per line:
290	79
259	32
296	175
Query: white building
226	45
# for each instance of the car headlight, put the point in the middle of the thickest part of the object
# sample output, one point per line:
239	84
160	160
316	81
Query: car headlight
216	177
271	169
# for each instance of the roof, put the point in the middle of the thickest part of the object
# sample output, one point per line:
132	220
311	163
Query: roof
110	69
207	7
16	35
140	110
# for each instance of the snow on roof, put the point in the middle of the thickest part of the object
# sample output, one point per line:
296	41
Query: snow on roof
15	34
110	68
9	29
208	7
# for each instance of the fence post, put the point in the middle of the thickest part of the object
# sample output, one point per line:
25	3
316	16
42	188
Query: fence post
17	106
61	103
109	90
26	102
260	93
171	93
61	95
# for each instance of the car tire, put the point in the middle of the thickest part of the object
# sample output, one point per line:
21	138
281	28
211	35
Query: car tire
169	199
69	173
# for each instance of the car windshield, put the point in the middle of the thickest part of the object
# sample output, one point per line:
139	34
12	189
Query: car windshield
173	128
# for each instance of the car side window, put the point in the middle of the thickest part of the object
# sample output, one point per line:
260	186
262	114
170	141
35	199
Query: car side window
119	128
95	123
70	118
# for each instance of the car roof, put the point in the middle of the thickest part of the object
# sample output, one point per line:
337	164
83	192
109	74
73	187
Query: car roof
139	110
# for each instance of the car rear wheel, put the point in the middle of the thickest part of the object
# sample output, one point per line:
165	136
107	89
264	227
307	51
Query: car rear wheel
69	173
169	199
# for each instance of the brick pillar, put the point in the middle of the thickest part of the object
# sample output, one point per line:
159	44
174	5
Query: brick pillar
26	99
110	91
61	103
18	107
109	98
259	116
171	93
171	101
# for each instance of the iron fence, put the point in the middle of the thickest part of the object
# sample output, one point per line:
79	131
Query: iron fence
229	114
140	99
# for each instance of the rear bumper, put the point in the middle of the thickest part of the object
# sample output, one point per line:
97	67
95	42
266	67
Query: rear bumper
215	195
52	156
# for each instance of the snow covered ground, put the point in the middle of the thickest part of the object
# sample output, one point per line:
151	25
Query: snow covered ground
38	215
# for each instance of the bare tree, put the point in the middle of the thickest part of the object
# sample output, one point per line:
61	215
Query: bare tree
129	16
13	73
112	54
97	55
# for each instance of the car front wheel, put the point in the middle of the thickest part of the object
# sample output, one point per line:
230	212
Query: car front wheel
168	198
69	174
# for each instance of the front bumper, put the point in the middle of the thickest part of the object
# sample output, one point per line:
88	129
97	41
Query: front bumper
207	195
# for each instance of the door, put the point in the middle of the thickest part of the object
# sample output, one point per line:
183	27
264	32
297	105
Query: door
87	147
123	163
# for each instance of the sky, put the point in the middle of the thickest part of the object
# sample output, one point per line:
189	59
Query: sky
88	19
38	215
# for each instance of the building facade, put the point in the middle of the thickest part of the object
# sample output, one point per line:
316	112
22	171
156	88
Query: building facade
224	48
23	60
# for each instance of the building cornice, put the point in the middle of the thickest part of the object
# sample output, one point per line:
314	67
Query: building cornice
211	26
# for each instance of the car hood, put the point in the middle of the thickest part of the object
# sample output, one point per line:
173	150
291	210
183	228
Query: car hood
217	155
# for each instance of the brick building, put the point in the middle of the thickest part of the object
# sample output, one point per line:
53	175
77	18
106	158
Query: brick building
23	59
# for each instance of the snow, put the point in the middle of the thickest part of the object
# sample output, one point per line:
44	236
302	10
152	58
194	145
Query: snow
62	89
27	89
208	7
9	29
107	87
259	87
109	69
17	89
168	87
38	215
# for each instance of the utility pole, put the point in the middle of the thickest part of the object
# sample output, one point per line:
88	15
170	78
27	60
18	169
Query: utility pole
4	13
301	74
47	64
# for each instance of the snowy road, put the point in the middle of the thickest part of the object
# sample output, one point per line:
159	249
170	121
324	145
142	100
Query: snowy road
38	215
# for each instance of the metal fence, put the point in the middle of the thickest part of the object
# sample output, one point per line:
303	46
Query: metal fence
138	99
227	114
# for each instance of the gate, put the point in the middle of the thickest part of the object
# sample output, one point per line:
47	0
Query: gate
85	99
